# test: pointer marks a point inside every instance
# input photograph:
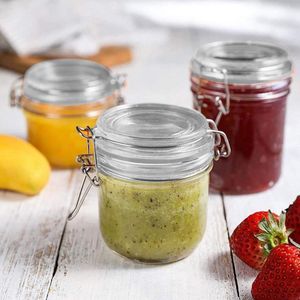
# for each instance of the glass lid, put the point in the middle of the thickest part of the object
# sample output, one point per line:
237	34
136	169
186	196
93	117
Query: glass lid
69	82
154	125
243	62
153	142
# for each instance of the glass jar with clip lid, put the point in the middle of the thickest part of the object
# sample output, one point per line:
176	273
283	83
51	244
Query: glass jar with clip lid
243	86
151	163
58	95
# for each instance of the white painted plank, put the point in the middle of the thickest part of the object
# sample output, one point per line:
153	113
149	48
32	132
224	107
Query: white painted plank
278	198
87	269
30	232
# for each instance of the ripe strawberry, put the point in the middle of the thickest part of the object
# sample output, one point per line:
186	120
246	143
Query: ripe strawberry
293	219
279	278
257	235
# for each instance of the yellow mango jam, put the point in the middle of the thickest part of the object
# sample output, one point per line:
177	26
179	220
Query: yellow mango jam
153	222
52	128
57	138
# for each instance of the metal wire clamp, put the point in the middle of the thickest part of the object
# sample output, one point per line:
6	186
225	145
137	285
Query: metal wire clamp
16	92
217	100
222	145
88	167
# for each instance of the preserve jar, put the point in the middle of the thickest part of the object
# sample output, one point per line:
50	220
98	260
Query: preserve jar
152	163
244	88
58	95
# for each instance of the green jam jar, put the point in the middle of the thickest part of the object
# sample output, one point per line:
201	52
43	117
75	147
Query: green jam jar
152	163
153	221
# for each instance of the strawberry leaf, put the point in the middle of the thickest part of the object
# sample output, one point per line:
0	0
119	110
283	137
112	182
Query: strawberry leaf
273	233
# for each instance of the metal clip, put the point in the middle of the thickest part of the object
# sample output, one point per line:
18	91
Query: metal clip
120	100
223	109
16	92
120	79
87	162
222	149
87	167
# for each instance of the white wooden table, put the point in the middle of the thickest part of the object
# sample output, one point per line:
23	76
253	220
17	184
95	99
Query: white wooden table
42	256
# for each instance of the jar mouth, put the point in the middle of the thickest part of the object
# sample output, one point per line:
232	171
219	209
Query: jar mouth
69	82
266	91
190	178
161	164
133	142
93	109
241	62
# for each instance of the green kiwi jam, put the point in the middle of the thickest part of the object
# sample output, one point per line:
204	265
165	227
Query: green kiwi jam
153	222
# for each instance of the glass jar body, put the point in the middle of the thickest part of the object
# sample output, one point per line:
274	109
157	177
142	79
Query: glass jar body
153	222
255	128
53	131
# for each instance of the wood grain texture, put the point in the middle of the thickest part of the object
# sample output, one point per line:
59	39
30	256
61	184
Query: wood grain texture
87	269
108	56
30	232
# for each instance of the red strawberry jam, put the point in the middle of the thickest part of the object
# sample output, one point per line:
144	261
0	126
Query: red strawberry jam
256	80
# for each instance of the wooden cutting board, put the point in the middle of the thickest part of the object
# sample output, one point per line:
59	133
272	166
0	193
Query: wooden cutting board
108	56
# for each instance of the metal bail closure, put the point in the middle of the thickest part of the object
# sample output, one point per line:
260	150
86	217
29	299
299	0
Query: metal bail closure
16	92
87	162
223	109
222	145
120	79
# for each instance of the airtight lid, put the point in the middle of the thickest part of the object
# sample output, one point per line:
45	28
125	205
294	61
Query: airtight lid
69	82
241	62
153	142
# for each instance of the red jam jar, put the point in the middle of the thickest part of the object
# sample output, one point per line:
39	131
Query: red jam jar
243	86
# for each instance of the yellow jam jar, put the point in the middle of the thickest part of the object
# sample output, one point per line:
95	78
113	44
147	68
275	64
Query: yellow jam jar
58	95
151	163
